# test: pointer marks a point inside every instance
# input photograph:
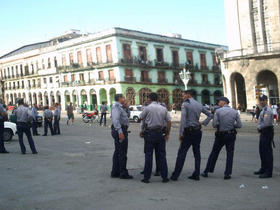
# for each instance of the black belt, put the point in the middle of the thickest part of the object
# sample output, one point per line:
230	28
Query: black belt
233	131
192	128
124	127
155	129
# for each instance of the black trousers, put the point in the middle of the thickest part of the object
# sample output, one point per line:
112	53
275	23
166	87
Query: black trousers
103	116
266	153
120	154
56	127
21	129
227	140
155	141
2	147
190	139
156	155
34	127
48	123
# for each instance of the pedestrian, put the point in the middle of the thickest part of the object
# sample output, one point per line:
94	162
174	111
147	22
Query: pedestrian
70	113
156	117
3	118
35	120
226	120
190	134
258	111
253	113
103	110
275	113
48	117
266	130
120	123
24	119
56	114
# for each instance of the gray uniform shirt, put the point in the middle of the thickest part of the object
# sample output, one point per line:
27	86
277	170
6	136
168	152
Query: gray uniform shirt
48	113
266	118
2	110
119	117
103	108
155	115
57	112
227	118
23	114
191	111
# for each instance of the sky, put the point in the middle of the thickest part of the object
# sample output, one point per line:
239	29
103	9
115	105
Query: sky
25	22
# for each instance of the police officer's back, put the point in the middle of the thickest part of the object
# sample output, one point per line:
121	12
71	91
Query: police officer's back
56	114
3	117
48	117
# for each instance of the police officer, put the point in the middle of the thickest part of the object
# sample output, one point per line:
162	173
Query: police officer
3	116
226	120
24	118
265	127
120	123
48	117
35	119
156	117
56	114
190	134
103	110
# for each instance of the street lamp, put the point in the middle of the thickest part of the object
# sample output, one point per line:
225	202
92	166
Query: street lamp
185	77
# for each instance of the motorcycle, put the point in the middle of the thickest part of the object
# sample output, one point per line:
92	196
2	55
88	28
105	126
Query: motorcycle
90	116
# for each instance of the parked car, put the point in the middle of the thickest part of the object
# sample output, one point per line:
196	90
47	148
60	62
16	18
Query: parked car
13	119
10	129
135	112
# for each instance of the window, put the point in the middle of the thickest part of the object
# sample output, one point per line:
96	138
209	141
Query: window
142	54
73	77
32	68
37	65
89	57
21	70
29	85
12	69
217	80
81	77
127	52
51	80
33	83
43	64
49	63
79	56
190	58
55	62
101	75
71	58
45	80
205	79
202	61
63	60
175	58
98	55
161	77
16	71
22	84
128	75
176	77
111	75
215	64
159	52
18	84
65	78
109	54
144	76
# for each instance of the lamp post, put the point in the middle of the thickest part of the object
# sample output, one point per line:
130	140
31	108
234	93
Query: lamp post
185	77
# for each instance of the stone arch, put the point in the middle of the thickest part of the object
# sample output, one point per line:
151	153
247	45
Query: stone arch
130	96
67	97
143	95
75	98
238	91
163	96
205	97
267	83
58	97
217	94
40	99
112	93
103	95
84	99
93	99
52	99
46	99
34	95
177	98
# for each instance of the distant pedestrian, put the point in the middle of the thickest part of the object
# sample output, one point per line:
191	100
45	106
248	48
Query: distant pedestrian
48	118
258	111
103	110
3	118
253	113
275	114
56	114
24	119
70	113
35	120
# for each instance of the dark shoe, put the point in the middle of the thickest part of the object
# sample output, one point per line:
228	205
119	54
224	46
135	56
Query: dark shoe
142	172
196	178
165	180
226	177
44	135
146	181
4	152
115	176
126	177
259	172
264	176
157	174
23	153
173	178
204	174
35	152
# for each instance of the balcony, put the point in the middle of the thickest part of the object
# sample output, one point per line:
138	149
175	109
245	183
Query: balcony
161	64
205	82
127	60
203	68
99	82
146	80
130	79
216	68
162	81
110	81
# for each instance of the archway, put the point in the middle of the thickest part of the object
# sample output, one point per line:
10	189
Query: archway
143	95
177	98
35	98
84	99
163	97
130	95
67	98
205	97
52	101
217	94
238	91
102	95
93	99
15	98
267	83
75	98
40	97
58	97
24	97
112	95
46	99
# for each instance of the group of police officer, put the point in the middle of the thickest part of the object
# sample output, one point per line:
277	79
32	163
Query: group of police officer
156	126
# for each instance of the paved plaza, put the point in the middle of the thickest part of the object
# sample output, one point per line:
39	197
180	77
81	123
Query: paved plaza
72	171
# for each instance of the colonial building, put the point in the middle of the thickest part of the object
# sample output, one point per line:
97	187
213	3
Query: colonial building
92	68
252	65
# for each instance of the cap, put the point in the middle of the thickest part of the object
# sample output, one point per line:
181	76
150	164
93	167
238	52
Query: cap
263	98
225	99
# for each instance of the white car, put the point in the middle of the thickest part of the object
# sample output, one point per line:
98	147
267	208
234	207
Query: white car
10	129
135	112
